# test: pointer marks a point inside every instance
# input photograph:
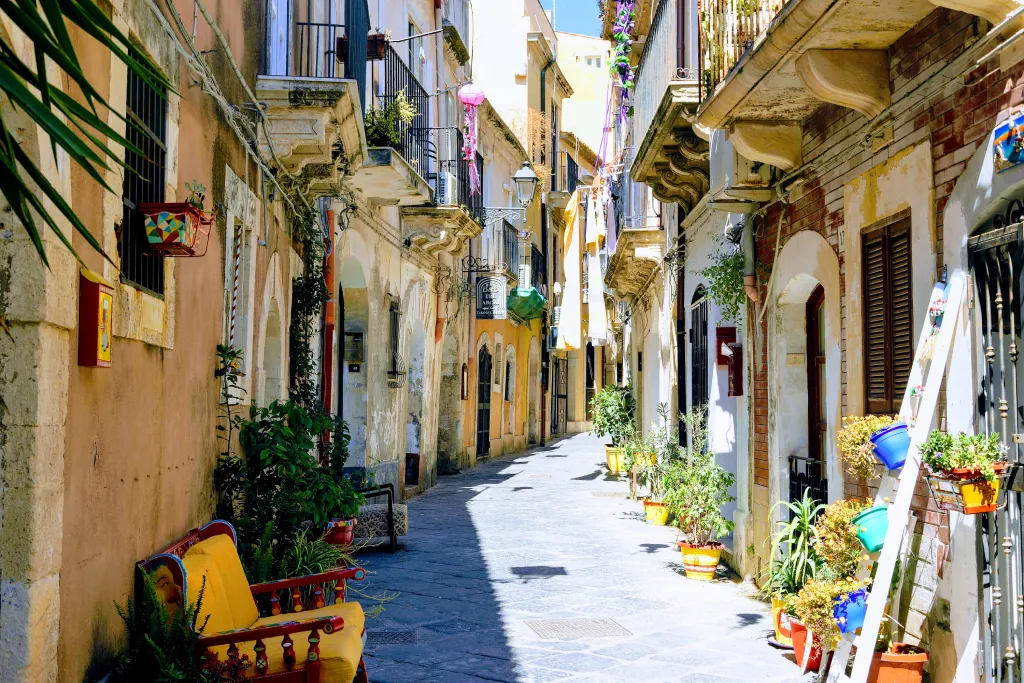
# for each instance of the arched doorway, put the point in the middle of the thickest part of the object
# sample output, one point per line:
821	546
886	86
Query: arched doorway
483	403
353	331
808	472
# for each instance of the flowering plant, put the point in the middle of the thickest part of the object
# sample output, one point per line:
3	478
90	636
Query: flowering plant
622	34
815	604
837	543
855	447
945	452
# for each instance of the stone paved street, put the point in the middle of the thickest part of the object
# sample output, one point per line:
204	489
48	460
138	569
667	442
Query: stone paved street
545	535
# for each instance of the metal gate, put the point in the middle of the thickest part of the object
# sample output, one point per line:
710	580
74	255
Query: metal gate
483	404
591	381
699	349
996	257
560	396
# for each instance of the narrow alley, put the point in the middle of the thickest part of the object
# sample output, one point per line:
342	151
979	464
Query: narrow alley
494	552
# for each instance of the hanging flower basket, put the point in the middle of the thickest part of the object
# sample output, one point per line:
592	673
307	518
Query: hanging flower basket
892	445
872	525
965	490
177	228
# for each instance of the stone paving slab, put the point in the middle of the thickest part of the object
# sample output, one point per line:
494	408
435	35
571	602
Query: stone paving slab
547	535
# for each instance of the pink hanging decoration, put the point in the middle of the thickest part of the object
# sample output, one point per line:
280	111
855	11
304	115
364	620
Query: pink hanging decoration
471	97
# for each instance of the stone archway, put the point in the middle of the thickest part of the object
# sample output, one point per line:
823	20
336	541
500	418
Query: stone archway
353	342
806	261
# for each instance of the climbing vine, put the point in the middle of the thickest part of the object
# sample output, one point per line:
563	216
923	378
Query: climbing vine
309	294
621	68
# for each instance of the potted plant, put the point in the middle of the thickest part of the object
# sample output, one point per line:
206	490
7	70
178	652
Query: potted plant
795	560
385	122
650	461
965	470
858	451
377	45
898	663
821	608
179	228
872	525
696	488
614	416
837	542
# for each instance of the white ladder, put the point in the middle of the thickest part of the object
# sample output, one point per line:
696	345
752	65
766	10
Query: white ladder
918	411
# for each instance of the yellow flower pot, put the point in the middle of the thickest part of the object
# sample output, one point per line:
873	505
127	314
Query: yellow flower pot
783	634
700	562
657	512
613	456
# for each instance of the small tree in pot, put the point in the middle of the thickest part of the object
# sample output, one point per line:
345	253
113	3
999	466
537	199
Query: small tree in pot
696	488
615	416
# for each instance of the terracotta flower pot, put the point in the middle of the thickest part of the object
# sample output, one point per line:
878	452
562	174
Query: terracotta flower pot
341	532
700	562
656	511
902	664
808	655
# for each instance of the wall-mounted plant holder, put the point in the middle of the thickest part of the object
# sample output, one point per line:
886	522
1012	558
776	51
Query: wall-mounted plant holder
971	495
177	229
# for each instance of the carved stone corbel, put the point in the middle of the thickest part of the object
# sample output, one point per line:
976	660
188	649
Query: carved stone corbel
858	79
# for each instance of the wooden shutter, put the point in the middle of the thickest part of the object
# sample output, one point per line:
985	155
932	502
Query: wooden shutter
901	307
888	316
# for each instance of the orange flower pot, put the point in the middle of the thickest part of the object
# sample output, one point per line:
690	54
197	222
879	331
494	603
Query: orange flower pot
808	655
899	665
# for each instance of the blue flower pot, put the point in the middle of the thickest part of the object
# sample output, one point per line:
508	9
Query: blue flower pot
850	609
891	445
872	525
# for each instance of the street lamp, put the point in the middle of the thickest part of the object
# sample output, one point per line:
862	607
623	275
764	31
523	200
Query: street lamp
526	184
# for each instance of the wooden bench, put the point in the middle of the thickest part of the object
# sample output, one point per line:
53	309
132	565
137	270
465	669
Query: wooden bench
235	627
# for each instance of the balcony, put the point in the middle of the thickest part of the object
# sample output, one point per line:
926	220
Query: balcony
639	246
446	223
767	65
669	157
397	160
312	90
455	14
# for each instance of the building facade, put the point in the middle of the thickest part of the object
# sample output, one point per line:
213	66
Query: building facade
846	168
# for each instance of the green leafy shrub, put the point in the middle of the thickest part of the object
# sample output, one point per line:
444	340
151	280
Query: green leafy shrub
696	487
795	559
279	486
814	605
614	413
383	123
944	452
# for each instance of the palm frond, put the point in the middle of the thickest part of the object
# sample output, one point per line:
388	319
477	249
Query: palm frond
76	128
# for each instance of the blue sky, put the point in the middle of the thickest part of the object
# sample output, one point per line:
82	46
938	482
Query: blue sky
575	16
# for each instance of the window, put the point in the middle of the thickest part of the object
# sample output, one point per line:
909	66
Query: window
510	382
888	315
416	54
396	368
144	182
699	350
593	60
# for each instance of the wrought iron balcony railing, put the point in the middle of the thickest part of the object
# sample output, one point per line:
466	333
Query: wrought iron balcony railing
669	55
396	77
728	28
316	39
446	170
568	175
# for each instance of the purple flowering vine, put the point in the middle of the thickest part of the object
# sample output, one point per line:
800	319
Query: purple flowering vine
622	34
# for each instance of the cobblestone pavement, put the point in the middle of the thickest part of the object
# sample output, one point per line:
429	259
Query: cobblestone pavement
546	535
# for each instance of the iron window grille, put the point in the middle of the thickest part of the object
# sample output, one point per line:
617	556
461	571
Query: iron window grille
144	182
396	366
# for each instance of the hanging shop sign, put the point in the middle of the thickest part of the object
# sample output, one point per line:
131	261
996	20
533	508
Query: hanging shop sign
491	294
1008	143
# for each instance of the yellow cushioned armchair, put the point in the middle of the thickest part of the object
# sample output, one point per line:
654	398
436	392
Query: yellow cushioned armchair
327	633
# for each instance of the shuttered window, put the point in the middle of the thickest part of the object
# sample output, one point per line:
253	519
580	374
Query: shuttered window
888	316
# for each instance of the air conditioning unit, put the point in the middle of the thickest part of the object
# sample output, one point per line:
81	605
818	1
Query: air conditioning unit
446	189
738	185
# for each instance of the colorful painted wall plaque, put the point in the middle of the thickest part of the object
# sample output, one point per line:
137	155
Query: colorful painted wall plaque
1008	143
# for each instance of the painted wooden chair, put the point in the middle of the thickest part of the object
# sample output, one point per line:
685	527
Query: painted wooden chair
327	632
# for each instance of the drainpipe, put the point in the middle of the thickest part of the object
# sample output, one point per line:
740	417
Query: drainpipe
749	267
